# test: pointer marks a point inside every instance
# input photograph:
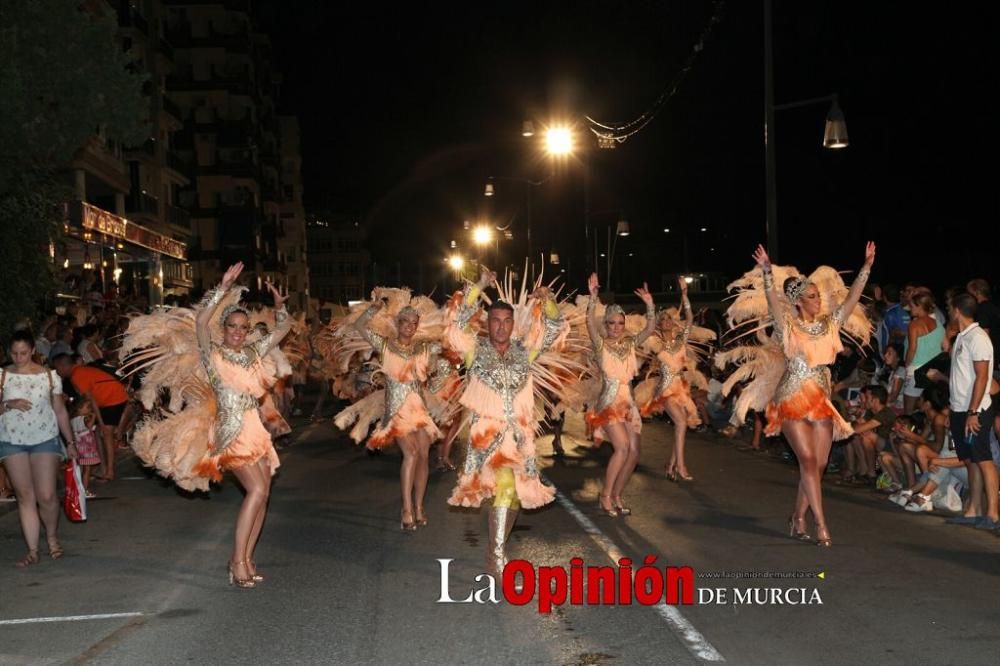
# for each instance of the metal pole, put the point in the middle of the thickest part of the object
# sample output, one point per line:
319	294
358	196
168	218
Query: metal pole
531	257
769	135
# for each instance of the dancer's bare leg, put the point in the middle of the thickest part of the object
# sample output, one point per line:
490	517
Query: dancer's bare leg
256	495
620	443
627	468
263	470
422	447
679	416
407	475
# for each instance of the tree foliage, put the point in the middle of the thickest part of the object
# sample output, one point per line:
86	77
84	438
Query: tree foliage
63	76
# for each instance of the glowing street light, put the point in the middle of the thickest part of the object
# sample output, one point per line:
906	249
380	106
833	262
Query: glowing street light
456	262
489	191
482	235
559	141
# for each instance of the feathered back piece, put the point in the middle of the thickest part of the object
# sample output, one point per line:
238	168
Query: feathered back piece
749	309
559	368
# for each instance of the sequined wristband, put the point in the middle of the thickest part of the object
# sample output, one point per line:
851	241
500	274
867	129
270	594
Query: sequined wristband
213	297
768	277
650	311
280	316
863	275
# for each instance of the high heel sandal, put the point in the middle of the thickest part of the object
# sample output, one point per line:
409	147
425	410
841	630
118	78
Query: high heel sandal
827	542
255	577
420	519
245	583
612	512
55	550
794	532
28	560
407	525
671	474
684	477
620	507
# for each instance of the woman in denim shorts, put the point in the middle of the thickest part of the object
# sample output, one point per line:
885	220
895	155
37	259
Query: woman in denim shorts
32	414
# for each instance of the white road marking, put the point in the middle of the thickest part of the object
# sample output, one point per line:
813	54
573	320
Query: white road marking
70	618
690	637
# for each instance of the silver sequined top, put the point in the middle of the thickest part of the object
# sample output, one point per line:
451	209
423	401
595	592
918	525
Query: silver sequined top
231	404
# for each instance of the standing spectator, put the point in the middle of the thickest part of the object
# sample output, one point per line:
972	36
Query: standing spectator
32	415
895	321
972	412
987	313
88	348
63	343
924	337
109	398
43	345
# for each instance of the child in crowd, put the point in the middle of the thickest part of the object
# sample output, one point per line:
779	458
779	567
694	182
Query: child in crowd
85	429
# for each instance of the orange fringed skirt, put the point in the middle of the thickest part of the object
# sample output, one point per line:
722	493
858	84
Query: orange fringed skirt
811	403
677	390
412	417
252	444
621	410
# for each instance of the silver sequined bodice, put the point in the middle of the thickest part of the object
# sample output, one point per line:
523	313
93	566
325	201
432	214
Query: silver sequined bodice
507	374
230	404
798	371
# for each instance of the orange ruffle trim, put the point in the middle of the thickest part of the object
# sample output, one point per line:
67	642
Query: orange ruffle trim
810	403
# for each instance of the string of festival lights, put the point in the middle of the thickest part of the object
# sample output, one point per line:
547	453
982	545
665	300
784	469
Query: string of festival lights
620	132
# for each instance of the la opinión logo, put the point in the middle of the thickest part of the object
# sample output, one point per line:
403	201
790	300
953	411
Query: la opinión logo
592	585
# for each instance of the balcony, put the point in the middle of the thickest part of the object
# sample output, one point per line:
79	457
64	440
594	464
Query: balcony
140	204
178	217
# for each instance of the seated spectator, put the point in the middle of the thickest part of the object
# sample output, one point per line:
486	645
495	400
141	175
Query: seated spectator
893	376
871	432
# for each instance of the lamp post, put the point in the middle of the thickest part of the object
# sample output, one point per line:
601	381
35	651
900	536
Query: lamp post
490	191
834	134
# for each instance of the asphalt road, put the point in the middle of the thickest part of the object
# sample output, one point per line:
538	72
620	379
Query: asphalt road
344	585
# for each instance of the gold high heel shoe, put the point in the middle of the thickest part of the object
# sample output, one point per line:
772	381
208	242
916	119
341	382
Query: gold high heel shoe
795	533
420	519
245	583
407	525
612	512
671	474
620	507
256	577
827	542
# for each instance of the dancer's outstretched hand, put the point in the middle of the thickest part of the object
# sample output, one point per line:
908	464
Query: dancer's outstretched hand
231	274
593	284
870	254
643	293
682	283
279	300
760	256
543	293
486	277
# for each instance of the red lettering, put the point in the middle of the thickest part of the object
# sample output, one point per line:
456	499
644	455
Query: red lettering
551	588
682	579
527	592
601	585
576	581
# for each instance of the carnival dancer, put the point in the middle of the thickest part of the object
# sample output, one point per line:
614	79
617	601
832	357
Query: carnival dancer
670	390
215	379
615	416
503	373
405	361
808	315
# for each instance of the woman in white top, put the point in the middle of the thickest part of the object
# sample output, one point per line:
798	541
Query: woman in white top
88	349
32	414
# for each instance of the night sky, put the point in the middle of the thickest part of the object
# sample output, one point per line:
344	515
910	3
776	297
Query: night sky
406	111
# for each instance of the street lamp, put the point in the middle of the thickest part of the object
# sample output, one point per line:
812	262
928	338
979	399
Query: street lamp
482	235
835	132
489	191
559	141
527	129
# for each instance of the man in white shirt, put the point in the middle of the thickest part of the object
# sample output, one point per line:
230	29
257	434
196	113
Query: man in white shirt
972	412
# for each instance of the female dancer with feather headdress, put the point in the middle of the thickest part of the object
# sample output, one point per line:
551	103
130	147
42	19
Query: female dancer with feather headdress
616	415
405	359
808	315
212	422
670	391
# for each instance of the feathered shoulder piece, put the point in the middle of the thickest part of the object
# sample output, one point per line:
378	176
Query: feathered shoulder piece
164	345
749	305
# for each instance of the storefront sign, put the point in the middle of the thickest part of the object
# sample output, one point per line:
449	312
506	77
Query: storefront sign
102	221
